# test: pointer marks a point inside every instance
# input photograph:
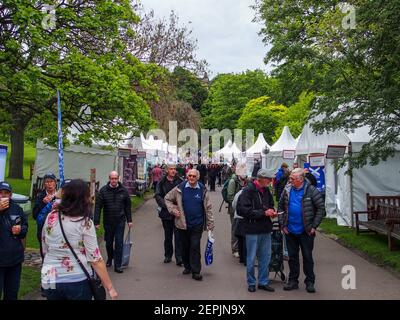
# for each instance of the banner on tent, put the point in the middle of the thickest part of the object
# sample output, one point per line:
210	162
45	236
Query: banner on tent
319	174
316	160
3	159
288	154
335	152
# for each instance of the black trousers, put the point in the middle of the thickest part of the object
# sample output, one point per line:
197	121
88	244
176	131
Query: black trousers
212	183
305	242
10	278
242	249
190	241
171	232
114	237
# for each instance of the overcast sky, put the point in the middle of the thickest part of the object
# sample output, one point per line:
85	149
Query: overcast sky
227	37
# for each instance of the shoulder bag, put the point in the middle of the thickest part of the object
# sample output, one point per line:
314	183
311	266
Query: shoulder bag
98	290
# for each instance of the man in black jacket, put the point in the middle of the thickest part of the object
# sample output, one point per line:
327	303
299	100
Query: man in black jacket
166	184
256	206
302	208
116	202
13	228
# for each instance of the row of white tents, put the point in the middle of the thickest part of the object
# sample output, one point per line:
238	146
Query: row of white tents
344	193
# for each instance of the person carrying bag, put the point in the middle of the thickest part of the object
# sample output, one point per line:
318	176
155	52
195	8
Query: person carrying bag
69	244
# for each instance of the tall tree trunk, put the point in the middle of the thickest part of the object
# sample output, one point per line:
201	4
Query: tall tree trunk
17	152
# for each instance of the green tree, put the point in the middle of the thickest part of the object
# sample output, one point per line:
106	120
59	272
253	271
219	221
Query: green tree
349	57
83	55
296	116
262	115
189	88
228	95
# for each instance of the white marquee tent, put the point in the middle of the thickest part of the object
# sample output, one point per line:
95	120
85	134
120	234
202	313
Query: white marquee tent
343	193
258	146
78	160
229	151
275	155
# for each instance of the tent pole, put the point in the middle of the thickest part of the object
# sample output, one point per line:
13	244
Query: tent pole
351	184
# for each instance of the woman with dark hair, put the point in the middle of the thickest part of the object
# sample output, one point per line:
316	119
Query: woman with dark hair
62	276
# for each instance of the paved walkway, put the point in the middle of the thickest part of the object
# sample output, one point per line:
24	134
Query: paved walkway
149	278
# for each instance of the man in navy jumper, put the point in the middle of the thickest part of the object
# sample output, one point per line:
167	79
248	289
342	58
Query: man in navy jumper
191	206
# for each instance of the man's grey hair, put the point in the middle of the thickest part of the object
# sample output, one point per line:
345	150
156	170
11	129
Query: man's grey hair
197	172
170	165
113	173
299	172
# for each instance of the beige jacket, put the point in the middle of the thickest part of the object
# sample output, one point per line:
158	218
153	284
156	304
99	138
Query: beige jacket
173	201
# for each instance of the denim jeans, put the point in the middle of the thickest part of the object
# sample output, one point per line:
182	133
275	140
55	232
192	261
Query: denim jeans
70	291
258	245
114	237
170	232
9	282
305	242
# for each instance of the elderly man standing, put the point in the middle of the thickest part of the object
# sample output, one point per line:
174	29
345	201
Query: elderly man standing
256	206
115	201
189	202
13	228
303	208
166	184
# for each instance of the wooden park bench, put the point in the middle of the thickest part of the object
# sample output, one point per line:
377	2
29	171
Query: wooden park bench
383	214
38	186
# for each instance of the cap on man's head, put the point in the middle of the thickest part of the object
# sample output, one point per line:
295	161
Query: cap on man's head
50	175
265	173
5	186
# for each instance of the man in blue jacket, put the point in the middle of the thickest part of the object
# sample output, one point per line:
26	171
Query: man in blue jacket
303	208
13	228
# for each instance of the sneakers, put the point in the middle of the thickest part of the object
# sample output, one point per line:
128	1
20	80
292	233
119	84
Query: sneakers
310	288
118	270
167	260
251	288
197	276
290	286
179	262
186	271
109	263
266	287
236	254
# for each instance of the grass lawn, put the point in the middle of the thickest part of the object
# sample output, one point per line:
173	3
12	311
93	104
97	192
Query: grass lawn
30	281
30	278
373	245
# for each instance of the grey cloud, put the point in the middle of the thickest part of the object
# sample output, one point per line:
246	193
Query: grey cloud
227	37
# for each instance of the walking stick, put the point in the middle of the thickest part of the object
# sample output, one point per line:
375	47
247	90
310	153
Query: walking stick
222	203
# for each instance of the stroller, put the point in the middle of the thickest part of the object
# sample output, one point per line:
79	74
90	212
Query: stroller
276	263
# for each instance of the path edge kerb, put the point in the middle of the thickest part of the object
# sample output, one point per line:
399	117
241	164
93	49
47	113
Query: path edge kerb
360	253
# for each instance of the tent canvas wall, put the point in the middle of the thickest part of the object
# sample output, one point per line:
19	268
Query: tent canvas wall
341	191
78	160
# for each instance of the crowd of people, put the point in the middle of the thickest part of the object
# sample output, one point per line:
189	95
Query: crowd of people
67	222
185	211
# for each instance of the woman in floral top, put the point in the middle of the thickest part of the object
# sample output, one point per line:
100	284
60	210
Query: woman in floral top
62	276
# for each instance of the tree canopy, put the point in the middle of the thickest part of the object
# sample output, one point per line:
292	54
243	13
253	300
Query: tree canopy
348	55
84	56
229	94
262	115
